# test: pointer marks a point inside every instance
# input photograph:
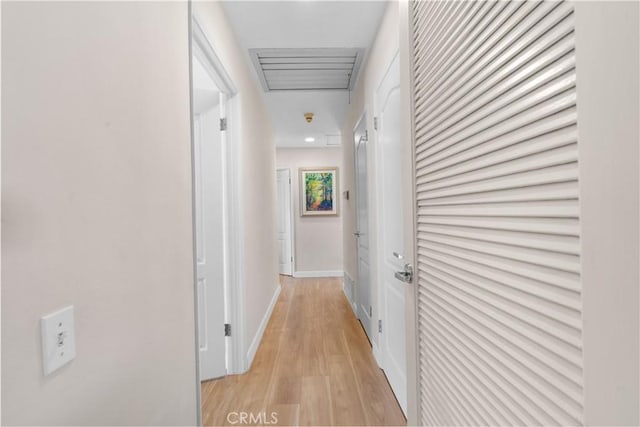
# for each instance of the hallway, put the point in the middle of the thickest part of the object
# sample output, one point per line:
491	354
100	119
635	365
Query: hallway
314	366
473	260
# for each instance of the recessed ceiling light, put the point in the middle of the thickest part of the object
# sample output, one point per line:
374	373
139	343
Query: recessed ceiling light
309	139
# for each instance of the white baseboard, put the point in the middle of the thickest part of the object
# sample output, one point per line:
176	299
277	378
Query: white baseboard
328	273
253	348
348	286
376	353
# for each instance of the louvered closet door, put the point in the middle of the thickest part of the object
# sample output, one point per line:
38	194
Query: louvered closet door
498	265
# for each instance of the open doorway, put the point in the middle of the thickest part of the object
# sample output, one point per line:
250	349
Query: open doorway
215	208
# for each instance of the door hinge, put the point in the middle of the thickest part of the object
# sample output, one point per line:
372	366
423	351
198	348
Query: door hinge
380	325
289	180
370	311
375	123
223	124
291	259
227	330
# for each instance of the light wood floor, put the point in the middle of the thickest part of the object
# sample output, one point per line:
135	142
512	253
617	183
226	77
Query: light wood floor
314	366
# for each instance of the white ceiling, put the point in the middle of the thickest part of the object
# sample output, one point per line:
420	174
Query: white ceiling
305	24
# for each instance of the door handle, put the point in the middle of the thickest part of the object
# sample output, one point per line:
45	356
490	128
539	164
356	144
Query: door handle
357	234
406	275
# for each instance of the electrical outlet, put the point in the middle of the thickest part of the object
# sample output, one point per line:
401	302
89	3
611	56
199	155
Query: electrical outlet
58	339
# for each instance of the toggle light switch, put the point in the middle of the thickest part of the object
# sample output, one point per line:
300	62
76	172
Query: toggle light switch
58	339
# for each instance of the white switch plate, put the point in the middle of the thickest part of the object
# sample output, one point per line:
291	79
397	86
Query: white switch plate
58	339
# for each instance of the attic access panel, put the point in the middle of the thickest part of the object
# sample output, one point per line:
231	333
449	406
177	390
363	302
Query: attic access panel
307	69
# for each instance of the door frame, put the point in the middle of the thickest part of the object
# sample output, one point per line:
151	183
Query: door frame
407	86
201	47
292	217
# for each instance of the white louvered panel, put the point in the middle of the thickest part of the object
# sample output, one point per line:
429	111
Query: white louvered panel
519	290
562	227
498	242
500	150
551	44
490	50
529	124
562	190
548	278
548	209
547	243
549	168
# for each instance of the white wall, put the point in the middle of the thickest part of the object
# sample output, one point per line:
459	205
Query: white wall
96	204
607	86
257	171
318	240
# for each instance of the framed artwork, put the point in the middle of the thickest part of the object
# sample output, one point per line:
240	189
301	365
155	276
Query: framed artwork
319	191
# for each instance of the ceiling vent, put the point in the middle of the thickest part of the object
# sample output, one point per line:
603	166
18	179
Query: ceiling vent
307	69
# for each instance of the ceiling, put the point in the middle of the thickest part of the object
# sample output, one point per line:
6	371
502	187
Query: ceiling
305	24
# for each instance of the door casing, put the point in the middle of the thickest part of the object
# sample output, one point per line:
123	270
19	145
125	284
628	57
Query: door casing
201	48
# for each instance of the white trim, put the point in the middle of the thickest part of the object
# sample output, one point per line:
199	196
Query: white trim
376	354
202	49
328	273
348	287
253	348
193	223
235	241
408	86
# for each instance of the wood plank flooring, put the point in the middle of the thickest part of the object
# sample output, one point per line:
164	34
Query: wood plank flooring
314	366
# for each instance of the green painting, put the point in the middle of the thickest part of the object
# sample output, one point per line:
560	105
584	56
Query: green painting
319	189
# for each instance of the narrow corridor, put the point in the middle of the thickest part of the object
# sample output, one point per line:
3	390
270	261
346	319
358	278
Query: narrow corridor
314	366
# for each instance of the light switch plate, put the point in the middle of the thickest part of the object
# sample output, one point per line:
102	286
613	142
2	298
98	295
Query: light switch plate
58	339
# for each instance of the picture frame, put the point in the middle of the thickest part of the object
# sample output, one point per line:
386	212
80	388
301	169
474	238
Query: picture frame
319	194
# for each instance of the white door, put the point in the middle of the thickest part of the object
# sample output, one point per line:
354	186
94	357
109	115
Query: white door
363	293
209	205
391	246
285	254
